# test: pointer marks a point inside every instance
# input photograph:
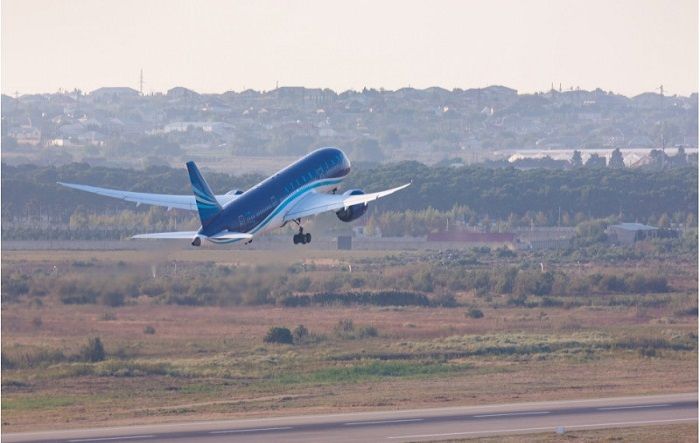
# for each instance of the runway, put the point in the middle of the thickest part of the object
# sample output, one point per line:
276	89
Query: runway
404	425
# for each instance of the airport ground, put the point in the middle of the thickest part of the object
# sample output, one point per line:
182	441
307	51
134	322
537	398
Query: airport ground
168	362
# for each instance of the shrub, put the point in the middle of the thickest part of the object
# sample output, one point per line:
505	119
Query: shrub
293	302
368	331
647	352
31	358
612	283
518	300
108	316
93	351
300	333
152	288
693	311
344	325
112	298
150	330
475	313
479	281
279	335
549	302
642	284
446	300
381	298
14	286
504	252
74	292
422	280
505	280
357	282
534	282
303	284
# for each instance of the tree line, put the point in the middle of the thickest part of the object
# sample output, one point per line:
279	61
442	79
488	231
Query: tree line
30	191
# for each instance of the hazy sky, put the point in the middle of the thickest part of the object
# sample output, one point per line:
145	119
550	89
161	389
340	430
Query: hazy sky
627	46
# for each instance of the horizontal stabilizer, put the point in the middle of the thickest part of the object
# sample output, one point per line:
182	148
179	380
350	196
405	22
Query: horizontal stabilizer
193	234
181	234
231	235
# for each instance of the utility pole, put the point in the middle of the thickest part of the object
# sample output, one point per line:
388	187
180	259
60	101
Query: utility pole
141	82
559	218
663	125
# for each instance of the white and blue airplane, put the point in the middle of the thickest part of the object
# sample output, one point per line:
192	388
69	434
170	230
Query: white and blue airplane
293	193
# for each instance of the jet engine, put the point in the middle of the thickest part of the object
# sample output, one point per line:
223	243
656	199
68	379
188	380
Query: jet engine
353	212
234	192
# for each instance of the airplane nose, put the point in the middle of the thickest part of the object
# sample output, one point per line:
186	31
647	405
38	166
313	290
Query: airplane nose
346	162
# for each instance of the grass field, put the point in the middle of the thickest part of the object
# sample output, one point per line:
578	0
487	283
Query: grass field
171	362
678	433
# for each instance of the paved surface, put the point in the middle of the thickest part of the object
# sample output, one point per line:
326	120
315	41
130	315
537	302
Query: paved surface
403	426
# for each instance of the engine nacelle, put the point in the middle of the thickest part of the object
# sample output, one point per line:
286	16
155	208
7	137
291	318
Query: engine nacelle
353	212
234	192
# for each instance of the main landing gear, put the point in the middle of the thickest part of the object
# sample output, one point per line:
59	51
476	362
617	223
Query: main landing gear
301	237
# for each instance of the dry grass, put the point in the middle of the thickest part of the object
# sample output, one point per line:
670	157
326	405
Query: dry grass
206	363
211	362
678	433
176	252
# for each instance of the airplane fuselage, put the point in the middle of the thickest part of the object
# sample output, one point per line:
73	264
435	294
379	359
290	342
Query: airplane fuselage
262	207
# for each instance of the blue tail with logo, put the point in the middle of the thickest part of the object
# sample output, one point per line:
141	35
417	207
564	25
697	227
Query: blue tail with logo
207	205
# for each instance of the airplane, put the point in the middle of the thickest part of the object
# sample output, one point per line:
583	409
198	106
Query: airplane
295	192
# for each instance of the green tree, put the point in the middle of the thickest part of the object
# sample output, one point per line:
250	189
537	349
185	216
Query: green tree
576	159
595	161
616	160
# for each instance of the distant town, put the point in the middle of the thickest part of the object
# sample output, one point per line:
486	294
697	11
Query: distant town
496	126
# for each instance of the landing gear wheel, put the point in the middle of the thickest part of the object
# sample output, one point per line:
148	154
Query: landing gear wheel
301	237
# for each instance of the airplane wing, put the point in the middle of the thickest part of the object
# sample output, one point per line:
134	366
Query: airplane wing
170	201
315	203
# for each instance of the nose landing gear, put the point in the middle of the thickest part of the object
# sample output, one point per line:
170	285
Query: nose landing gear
301	237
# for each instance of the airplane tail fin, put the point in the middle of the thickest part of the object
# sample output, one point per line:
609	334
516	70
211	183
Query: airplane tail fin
207	205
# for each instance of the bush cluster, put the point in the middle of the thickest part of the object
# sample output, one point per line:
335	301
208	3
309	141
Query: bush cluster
381	298
278	334
413	284
523	282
